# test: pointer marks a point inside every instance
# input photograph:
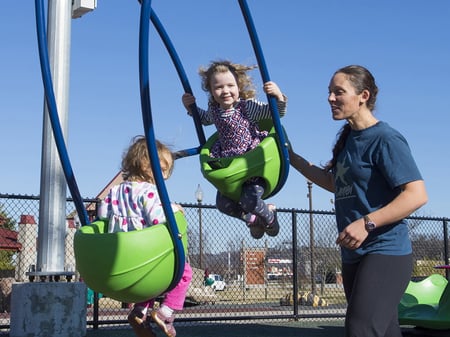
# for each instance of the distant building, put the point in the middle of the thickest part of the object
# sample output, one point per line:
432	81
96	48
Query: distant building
24	241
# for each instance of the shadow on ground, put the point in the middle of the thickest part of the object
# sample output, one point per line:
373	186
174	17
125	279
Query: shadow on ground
422	332
279	329
289	329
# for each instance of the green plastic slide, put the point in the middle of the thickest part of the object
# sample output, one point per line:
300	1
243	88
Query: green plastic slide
426	303
127	266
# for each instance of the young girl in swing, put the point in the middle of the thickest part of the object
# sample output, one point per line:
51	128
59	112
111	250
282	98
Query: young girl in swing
233	109
135	204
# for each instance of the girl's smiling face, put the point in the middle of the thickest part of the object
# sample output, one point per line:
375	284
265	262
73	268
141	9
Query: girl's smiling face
224	89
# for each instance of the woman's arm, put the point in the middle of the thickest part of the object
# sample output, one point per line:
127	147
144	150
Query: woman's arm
312	172
412	197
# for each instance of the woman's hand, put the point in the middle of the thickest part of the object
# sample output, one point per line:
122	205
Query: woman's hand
353	235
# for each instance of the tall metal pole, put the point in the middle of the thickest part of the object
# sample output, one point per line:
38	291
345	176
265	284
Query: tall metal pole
311	239
52	207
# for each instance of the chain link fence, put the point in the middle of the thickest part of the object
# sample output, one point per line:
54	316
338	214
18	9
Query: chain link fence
295	275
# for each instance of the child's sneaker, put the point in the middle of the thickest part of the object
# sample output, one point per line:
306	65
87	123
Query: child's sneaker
256	229
255	225
165	323
273	228
138	322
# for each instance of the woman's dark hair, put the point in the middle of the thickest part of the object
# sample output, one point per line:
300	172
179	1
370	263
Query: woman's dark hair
361	79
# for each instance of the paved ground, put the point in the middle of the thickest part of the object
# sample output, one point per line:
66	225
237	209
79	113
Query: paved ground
330	328
287	329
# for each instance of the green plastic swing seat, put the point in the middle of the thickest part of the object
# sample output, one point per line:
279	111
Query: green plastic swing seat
426	304
228	174
127	266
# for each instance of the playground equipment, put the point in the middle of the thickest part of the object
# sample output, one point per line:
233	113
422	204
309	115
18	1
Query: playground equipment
229	174
149	262
426	303
269	160
103	258
173	244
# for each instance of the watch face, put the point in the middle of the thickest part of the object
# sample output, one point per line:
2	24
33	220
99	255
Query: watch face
370	226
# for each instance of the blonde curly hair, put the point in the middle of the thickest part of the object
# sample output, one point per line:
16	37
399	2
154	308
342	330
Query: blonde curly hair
136	161
240	73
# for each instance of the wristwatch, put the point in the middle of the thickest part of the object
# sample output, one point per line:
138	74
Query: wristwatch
369	224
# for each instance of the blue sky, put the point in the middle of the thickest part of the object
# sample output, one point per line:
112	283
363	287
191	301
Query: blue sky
404	43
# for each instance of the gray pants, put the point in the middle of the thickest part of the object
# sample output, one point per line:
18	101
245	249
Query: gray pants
249	202
373	288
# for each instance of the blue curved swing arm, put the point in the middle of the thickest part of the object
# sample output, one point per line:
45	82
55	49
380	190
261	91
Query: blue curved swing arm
283	143
184	81
150	137
53	113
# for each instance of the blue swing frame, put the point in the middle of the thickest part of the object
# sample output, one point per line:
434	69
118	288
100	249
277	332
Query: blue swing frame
283	143
146	14
148	129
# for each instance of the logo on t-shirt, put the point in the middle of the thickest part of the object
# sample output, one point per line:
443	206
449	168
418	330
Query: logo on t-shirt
343	188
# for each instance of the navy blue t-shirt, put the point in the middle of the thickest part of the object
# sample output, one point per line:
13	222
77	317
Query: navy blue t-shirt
373	164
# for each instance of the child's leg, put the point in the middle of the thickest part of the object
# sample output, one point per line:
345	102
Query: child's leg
251	201
173	300
138	319
228	206
144	306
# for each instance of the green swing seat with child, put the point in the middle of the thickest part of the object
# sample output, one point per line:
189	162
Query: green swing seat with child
127	266
229	174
